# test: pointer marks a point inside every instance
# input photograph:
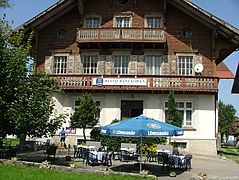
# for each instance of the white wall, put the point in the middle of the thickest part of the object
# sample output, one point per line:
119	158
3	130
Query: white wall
153	104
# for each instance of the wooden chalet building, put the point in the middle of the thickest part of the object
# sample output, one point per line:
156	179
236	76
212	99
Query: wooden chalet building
129	54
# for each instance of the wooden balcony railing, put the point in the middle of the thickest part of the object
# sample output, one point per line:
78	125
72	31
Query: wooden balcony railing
120	35
154	83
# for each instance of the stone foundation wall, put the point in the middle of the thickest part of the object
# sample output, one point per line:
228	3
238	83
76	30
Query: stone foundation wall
206	147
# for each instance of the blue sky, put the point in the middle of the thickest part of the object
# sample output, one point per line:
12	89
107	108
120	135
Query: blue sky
227	10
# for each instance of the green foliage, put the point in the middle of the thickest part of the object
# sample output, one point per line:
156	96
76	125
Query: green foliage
4	4
25	97
226	114
86	114
174	116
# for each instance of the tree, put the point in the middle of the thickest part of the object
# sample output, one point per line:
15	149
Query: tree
227	116
26	105
174	116
86	114
4	4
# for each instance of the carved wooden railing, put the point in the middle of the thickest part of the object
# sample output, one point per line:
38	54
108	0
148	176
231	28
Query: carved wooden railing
179	83
120	35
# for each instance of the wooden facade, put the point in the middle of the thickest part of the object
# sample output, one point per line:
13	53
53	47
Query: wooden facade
68	36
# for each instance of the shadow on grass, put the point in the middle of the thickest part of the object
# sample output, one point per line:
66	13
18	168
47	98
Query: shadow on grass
228	153
153	169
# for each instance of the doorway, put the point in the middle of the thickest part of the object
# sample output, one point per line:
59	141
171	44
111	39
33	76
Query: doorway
131	109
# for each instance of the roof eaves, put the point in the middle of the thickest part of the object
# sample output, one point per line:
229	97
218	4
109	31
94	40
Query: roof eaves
212	17
39	15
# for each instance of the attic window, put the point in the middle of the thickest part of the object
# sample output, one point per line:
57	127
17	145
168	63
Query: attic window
60	33
187	32
123	1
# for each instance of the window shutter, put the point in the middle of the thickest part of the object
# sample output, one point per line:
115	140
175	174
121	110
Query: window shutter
70	64
49	64
198	59
77	68
172	59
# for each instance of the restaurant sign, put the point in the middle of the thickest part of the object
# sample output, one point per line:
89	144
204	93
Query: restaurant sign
120	81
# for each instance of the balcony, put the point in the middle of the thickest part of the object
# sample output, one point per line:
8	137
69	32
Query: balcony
86	35
138	83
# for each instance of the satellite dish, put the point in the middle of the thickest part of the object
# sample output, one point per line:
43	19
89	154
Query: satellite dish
198	68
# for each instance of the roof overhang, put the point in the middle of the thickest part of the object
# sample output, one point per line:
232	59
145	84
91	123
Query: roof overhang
49	15
223	28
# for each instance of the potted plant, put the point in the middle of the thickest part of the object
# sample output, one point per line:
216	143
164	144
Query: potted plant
172	174
202	176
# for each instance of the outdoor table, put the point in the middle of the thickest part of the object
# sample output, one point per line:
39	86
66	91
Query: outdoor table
86	147
128	149
162	150
99	155
177	159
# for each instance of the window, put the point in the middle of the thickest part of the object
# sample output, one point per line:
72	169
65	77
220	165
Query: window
187	32
60	33
153	64
89	64
122	22
185	108
92	22
60	65
185	65
121	64
153	22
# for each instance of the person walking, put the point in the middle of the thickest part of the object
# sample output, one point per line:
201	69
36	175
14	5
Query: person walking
63	138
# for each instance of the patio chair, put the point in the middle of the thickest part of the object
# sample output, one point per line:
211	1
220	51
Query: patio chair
163	158
151	157
46	144
91	159
51	151
107	160
124	156
186	162
76	152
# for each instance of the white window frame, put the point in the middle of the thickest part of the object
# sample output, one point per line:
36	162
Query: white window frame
123	17
89	64
93	19
121	64
153	64
154	17
186	122
61	61
185	70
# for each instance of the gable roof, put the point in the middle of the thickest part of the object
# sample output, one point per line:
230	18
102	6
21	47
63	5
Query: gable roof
208	19
235	87
223	72
63	6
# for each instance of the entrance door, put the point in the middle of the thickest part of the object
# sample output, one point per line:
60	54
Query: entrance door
131	109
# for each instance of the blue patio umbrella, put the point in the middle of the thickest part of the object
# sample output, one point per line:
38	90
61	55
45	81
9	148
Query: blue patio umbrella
141	126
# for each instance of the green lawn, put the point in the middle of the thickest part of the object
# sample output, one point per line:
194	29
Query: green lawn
12	172
231	152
